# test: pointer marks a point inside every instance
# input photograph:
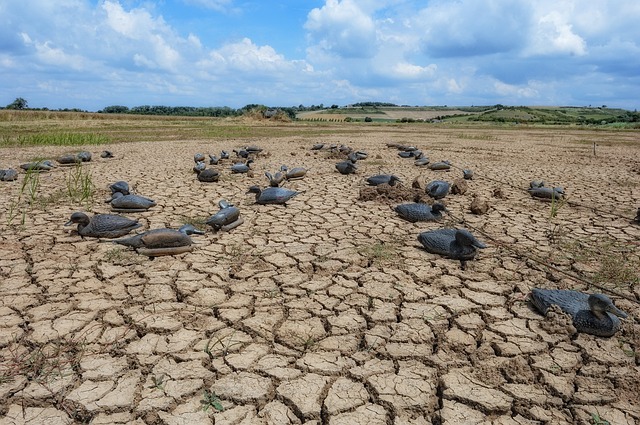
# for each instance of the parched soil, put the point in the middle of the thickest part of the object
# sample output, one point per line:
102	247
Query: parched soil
326	311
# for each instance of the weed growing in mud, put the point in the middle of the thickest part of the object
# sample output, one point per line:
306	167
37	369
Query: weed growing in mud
56	139
597	420
224	345
28	191
158	382
378	253
80	187
617	271
198	222
210	399
556	204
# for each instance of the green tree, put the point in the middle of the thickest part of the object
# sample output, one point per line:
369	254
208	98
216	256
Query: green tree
19	103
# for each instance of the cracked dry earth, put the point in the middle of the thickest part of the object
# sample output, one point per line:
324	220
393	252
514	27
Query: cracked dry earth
325	311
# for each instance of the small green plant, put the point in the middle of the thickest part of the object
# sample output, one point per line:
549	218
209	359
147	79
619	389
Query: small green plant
198	222
378	253
158	382
556	204
28	190
210	399
80	187
224	345
597	420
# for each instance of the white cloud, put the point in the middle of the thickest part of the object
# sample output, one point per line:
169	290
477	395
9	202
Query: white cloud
554	35
218	5
342	28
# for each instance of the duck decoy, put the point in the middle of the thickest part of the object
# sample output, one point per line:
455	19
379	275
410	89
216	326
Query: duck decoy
594	314
457	244
241	153
360	155
406	154
438	189
276	179
346	167
157	242
420	212
68	159
441	165
467	174
241	167
296	173
546	192
130	203
353	157
199	167
272	195
46	165
224	155
317	146
8	175
106	154
84	156
208	175
102	225
533	184
198	157
213	160
253	149
227	218
378	179
120	186
636	220
421	161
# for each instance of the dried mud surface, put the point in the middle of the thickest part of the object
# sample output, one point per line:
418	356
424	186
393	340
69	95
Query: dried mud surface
325	311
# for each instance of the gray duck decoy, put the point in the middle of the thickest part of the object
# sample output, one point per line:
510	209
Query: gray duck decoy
441	165
294	173
457	244
227	218
346	167
120	186
241	153
199	167
317	146
198	157
636	220
213	160
272	195
68	159
130	203
406	154
8	175
421	161
241	167
276	179
253	149
157	242
106	154
102	225
438	189
84	156
208	175
378	179
224	155
533	184
546	192
46	165
594	314
360	155
420	212
467	174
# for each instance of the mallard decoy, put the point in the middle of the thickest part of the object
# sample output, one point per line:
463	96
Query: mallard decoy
294	173
438	189
457	244
198	157
8	175
102	225
276	179
208	175
546	192
46	165
106	154
378	179
441	165
130	203
227	218
346	167
241	167
420	212
157	242
594	314
120	186
467	174
272	195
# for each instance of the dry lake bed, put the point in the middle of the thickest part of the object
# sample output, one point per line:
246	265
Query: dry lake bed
326	311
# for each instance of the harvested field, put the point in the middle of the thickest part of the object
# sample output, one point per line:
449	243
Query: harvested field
326	311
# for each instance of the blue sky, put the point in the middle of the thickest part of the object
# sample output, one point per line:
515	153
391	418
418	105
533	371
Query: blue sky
90	54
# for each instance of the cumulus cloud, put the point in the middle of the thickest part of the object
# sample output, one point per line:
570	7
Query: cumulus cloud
342	28
553	35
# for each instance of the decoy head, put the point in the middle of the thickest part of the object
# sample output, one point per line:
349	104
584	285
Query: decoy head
189	229
283	167
254	189
393	180
223	204
601	304
120	186
438	207
79	218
